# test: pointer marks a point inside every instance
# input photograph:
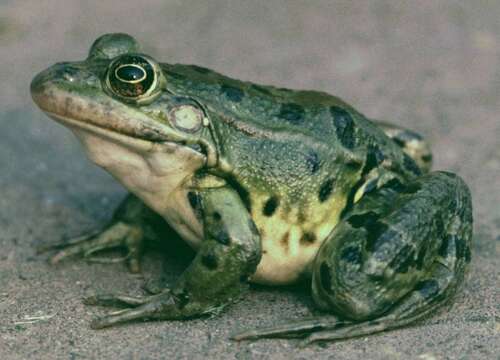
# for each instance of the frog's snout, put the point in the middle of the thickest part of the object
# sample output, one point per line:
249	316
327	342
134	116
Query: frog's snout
52	75
45	84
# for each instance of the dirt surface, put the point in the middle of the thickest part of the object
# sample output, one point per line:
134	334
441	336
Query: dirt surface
433	66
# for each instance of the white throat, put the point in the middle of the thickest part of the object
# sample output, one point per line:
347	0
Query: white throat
158	173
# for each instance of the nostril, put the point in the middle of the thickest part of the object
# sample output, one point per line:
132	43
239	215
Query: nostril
69	74
65	70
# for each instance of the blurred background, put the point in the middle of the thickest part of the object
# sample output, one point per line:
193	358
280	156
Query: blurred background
432	66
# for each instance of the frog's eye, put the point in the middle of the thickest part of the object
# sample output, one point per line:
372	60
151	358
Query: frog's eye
187	118
133	78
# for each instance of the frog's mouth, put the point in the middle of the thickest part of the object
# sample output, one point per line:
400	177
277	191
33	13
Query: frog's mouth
105	118
137	142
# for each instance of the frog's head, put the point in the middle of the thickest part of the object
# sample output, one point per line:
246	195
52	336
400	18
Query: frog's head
116	102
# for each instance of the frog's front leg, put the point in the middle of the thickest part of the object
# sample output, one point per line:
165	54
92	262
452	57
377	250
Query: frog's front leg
394	258
217	276
131	224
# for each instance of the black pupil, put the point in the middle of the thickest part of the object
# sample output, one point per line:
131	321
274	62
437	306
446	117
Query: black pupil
130	73
131	76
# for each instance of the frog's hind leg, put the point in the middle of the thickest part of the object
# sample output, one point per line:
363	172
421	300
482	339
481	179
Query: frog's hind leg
398	255
131	224
412	143
428	295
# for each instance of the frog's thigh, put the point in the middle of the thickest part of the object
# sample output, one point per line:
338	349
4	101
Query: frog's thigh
412	143
399	251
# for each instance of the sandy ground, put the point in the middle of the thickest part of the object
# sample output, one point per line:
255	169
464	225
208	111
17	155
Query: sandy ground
429	65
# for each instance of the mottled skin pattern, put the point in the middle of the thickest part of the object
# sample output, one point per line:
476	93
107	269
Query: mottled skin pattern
268	185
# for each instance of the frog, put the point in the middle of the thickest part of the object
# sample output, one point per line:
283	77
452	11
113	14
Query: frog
267	185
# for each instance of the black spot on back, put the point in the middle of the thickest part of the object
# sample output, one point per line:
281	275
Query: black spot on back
374	158
428	288
325	190
363	220
377	233
410	165
313	162
325	277
232	93
210	261
271	205
307	238
293	113
351	254
344	126
403	259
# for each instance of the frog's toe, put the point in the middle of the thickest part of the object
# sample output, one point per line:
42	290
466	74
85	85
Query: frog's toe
117	235
342	332
292	329
161	306
117	317
116	300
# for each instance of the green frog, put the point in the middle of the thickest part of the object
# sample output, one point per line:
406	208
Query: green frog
268	185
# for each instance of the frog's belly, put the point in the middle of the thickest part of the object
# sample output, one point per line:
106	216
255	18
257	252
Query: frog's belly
287	253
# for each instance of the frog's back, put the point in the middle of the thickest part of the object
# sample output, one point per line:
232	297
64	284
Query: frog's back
315	114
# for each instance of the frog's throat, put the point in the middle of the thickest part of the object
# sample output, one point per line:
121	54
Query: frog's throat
154	171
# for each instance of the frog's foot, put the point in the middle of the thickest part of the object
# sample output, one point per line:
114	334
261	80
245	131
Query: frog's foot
398	255
119	234
167	305
216	277
429	295
160	306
